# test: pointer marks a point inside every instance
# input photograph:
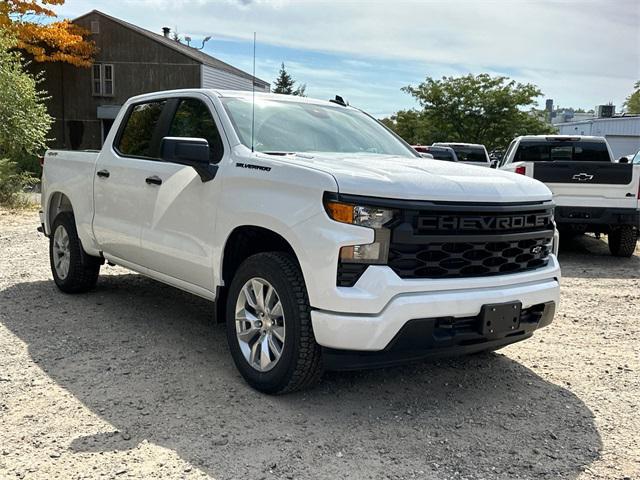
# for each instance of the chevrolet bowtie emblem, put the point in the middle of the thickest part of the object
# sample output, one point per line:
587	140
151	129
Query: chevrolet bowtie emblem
582	177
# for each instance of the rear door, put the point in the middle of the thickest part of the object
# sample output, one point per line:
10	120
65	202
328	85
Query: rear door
119	183
578	172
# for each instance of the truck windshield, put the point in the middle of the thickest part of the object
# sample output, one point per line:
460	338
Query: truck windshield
283	126
548	151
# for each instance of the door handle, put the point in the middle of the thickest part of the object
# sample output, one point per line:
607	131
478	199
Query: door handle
103	173
154	180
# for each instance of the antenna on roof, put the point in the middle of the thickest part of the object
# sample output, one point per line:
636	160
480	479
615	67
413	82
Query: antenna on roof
253	91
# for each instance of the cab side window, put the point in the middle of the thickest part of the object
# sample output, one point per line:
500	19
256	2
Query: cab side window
193	119
137	137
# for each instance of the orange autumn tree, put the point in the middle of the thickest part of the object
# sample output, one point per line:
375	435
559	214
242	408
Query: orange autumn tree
45	40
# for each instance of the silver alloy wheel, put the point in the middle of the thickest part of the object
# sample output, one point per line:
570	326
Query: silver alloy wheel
260	324
61	252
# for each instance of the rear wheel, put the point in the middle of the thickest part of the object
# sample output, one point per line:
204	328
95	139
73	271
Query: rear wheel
74	271
622	241
269	325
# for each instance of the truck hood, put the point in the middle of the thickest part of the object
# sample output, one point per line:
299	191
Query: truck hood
422	178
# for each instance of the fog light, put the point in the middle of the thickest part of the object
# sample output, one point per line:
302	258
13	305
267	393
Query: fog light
374	253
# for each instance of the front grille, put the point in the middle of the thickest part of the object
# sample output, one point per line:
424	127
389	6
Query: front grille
468	259
469	241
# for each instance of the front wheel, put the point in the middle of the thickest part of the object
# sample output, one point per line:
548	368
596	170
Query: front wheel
73	270
269	325
622	241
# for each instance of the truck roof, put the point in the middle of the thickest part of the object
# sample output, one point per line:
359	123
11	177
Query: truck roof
461	144
221	93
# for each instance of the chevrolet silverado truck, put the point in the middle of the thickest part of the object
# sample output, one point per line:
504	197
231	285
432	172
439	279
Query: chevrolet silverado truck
592	192
325	241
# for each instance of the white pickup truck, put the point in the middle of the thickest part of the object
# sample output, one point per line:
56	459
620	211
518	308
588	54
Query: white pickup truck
592	192
325	240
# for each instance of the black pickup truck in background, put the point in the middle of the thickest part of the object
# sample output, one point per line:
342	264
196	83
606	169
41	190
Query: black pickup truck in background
592	192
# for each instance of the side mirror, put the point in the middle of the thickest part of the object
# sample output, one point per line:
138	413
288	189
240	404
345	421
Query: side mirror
426	155
623	160
494	164
193	152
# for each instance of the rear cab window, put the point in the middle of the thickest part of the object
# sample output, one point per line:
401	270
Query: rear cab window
138	138
467	153
442	155
562	150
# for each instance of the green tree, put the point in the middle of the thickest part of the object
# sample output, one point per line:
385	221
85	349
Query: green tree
285	84
412	126
471	108
24	121
632	103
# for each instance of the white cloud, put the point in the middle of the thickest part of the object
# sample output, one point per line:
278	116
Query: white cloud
582	52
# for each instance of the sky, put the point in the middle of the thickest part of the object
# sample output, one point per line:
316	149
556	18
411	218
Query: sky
579	53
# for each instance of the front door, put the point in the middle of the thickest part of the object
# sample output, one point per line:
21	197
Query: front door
178	231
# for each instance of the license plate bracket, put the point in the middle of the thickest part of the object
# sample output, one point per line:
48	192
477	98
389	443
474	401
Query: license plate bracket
499	319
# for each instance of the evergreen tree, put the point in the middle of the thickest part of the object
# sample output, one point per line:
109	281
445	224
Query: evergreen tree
285	84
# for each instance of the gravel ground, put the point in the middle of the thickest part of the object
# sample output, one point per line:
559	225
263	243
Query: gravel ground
133	381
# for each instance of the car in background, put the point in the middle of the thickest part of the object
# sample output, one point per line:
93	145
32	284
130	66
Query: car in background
471	153
592	192
438	153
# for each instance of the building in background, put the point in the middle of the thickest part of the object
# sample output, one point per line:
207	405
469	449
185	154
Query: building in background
569	115
129	61
622	132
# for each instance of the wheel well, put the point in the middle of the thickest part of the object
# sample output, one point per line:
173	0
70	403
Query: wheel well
241	244
246	241
59	203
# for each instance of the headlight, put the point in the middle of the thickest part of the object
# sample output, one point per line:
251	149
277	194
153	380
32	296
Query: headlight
372	217
364	216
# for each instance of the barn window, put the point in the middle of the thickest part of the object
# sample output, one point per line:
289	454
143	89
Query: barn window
102	80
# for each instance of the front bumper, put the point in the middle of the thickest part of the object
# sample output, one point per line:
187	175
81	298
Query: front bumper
375	332
424	338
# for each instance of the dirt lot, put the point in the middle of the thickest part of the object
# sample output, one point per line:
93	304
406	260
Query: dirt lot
133	381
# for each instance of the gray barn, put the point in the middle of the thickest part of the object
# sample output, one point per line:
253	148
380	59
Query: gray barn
130	60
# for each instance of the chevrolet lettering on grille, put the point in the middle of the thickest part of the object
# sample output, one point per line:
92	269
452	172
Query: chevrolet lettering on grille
482	223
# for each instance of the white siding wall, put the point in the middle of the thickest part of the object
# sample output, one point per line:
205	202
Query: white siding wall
214	78
623	145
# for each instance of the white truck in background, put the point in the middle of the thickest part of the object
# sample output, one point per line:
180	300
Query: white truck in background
324	240
592	192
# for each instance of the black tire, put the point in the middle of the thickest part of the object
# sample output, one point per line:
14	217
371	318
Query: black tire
300	364
622	241
83	269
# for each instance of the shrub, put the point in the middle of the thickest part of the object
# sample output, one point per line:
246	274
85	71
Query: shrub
13	184
24	121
